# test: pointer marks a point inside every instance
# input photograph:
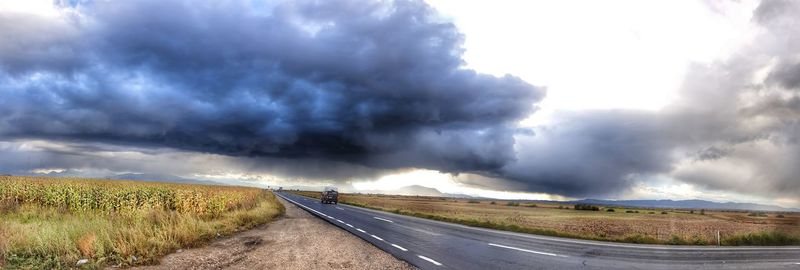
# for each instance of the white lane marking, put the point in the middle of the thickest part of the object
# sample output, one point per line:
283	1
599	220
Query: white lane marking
527	250
348	225
399	247
373	236
429	260
360	230
383	219
340	221
339	208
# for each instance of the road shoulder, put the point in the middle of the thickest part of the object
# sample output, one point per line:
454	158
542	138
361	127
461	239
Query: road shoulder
296	241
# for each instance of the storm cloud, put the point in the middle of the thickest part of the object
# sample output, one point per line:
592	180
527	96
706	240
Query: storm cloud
380	84
735	126
358	89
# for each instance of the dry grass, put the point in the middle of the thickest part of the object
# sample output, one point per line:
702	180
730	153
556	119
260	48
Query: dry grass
52	222
674	227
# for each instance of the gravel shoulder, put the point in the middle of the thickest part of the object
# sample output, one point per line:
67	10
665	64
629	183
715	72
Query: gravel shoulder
296	241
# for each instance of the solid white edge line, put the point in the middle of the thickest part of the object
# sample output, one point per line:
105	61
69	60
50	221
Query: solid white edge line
399	247
360	230
348	225
340	221
383	219
527	250
373	236
429	260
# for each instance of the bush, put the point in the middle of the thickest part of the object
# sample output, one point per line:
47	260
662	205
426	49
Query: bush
677	240
780	216
630	211
702	211
492	202
473	201
586	207
652	213
640	239
512	204
610	210
663	212
773	238
560	207
757	214
532	205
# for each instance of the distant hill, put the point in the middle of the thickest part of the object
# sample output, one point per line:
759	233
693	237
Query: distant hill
161	178
414	190
688	204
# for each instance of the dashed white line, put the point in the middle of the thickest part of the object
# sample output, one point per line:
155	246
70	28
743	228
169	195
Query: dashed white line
360	230
384	219
348	225
399	247
339	208
527	250
429	260
373	236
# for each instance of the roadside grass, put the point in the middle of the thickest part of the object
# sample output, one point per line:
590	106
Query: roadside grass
677	228
40	233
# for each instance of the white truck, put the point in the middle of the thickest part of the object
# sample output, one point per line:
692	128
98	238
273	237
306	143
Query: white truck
330	195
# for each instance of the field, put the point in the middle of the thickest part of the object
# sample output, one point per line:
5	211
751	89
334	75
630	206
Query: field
651	226
55	222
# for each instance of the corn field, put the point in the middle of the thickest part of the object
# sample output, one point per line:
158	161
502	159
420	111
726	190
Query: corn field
118	196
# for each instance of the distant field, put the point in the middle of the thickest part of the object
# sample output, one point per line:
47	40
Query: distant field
50	223
652	226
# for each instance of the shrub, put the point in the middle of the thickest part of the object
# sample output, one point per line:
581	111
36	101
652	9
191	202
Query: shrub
780	216
512	204
663	212
773	238
691	212
702	211
757	214
630	211
610	210
677	240
473	201
652	213
532	205
586	207
640	239
493	202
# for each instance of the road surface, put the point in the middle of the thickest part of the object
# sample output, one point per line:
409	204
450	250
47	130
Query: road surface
430	244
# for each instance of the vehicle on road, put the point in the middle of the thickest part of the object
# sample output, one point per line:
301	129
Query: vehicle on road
330	195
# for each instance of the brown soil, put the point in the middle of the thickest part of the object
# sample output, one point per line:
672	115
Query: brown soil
296	241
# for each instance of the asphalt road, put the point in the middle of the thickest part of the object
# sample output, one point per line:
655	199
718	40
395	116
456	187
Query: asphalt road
430	244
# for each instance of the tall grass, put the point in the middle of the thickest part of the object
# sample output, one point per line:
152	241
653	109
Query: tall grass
50	223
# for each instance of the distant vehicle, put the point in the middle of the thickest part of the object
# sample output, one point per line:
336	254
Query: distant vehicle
330	195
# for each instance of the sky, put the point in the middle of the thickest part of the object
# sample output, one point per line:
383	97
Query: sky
505	99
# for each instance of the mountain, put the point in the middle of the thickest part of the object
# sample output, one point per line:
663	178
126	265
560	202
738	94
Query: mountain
413	190
688	204
161	178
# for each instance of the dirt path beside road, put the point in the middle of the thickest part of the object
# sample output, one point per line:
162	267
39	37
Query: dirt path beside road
296	241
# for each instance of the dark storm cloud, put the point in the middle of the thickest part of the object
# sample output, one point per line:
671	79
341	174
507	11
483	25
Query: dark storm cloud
373	83
591	153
